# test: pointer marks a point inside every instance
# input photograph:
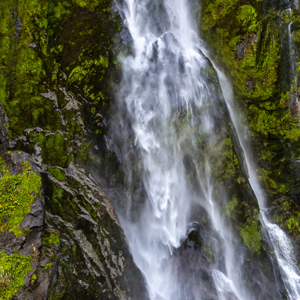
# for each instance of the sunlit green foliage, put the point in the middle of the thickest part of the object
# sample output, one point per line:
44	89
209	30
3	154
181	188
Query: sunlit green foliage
13	269
288	216
251	233
17	193
50	238
248	45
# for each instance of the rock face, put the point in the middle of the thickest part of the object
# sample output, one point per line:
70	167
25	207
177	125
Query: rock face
56	62
201	275
94	257
26	242
258	46
58	74
86	256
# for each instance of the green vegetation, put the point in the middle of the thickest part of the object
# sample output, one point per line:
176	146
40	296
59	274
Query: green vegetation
23	28
33	279
231	207
288	216
246	219
17	193
59	174
42	69
229	160
56	62
251	232
56	150
13	269
248	45
83	153
209	252
50	238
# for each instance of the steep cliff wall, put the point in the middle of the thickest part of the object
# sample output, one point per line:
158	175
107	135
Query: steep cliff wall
59	72
257	44
58	67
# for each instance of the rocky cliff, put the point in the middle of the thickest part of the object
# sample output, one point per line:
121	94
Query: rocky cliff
58	68
60	236
257	44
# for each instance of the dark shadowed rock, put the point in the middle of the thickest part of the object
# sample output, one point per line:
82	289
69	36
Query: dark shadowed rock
200	274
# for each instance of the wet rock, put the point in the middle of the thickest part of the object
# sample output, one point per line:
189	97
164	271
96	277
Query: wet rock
79	249
95	262
36	216
201	279
31	244
246	42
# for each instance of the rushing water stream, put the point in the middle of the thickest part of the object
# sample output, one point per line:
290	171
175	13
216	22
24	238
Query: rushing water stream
280	242
168	102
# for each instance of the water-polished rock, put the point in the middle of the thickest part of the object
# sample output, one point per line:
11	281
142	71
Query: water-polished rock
201	276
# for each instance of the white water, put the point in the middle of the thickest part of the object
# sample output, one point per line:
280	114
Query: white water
163	96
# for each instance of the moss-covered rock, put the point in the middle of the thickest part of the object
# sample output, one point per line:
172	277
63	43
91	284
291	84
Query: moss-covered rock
22	220
12	273
57	60
248	41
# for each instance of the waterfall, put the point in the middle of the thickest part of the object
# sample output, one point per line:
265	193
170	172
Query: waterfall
293	71
292	55
281	244
169	109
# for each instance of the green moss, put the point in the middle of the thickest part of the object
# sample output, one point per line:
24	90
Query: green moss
90	4
50	238
48	266
209	252
217	10
57	200
230	208
229	160
287	215
273	186
83	153
59	174
60	295
246	220
275	121
251	232
55	150
61	202
248	18
17	193
89	68
13	269
248	45
24	65
33	279
92	211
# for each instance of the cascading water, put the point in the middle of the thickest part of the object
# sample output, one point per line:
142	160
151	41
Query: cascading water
169	109
293	71
280	242
292	55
